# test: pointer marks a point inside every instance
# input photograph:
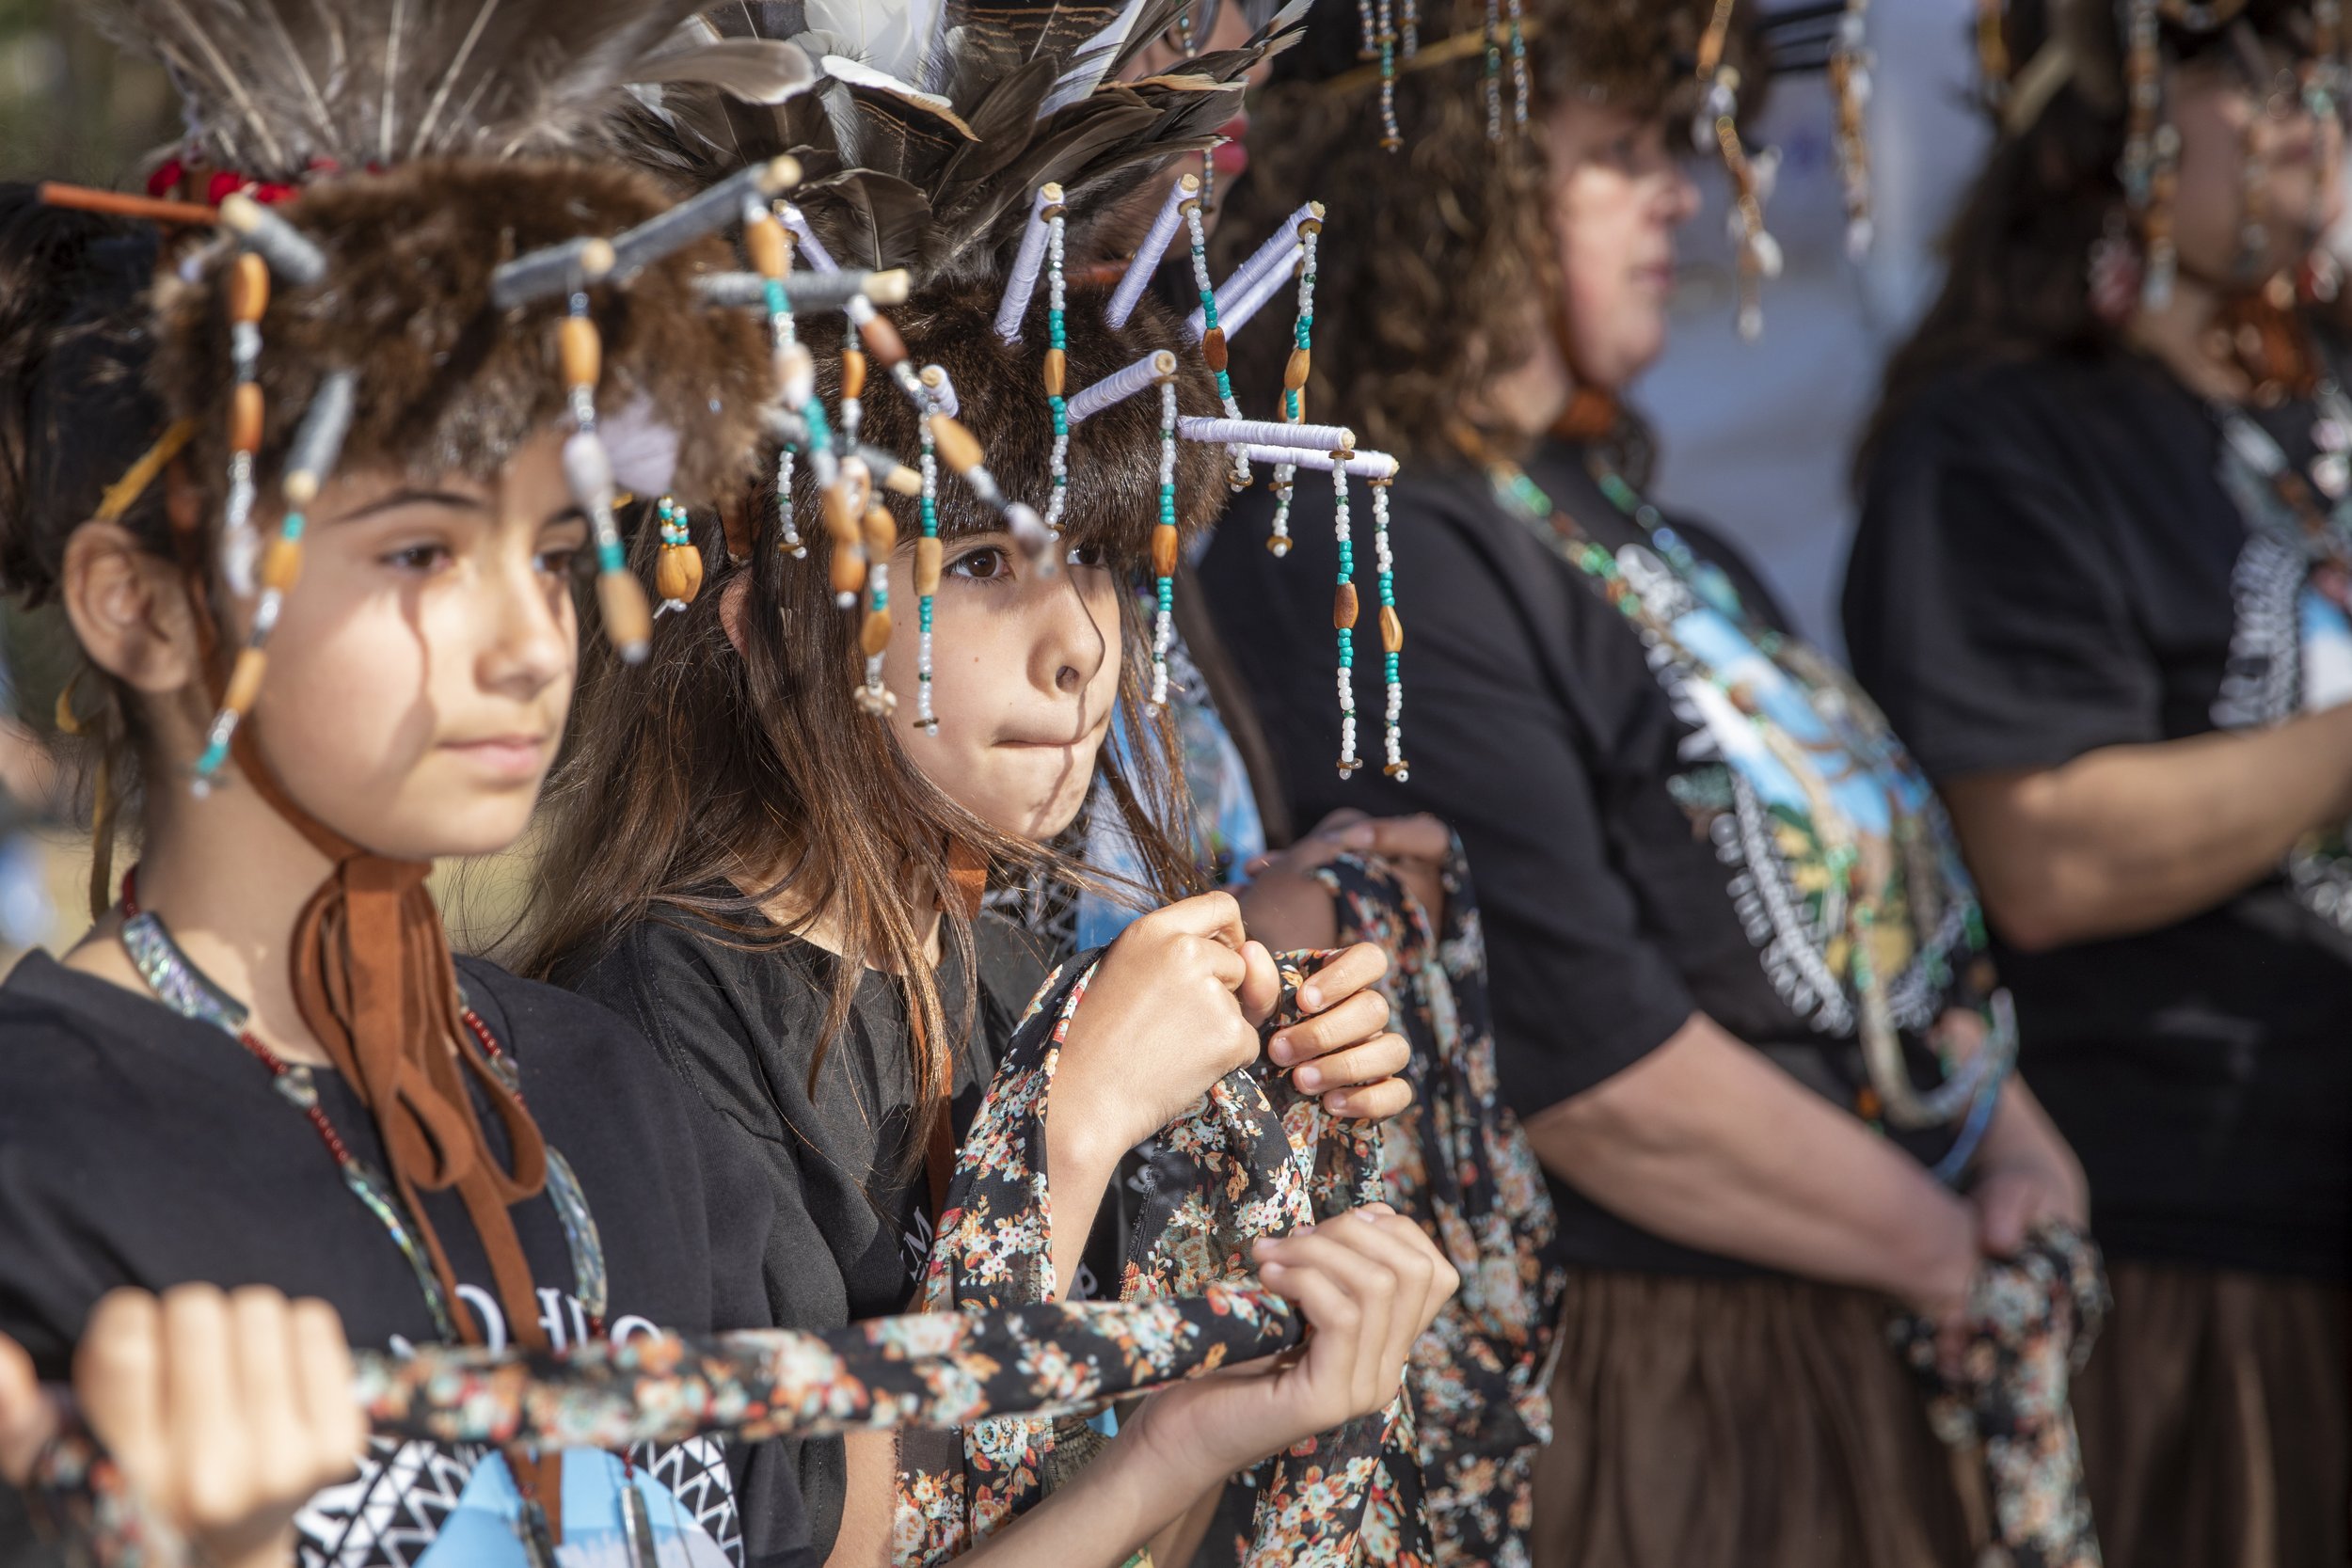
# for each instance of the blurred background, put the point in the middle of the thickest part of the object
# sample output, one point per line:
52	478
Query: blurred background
1755	435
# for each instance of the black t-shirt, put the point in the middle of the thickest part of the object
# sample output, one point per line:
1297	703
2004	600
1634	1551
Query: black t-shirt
2048	563
1602	810
743	1026
138	1147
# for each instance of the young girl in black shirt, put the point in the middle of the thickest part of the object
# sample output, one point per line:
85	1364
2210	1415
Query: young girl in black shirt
768	847
2100	587
264	1071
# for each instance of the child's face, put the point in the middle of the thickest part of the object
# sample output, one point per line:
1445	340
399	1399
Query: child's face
1024	674
421	672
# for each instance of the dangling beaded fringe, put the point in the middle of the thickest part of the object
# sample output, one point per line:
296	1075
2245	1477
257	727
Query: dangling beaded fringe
1164	550
1056	372
1388	137
678	568
853	386
316	445
1212	336
928	551
249	300
1295	384
1493	36
1518	66
770	247
1391	635
1343	615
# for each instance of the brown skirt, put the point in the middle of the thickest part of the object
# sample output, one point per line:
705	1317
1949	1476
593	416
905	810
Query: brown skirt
1739	1424
2216	1417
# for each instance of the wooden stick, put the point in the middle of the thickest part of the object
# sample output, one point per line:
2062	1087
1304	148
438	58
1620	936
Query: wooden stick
91	199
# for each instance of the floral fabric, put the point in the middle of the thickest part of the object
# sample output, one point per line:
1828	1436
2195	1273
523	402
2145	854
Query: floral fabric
1480	1378
1253	1160
2031	1322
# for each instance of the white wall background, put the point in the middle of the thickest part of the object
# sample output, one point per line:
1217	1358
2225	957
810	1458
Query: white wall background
1759	437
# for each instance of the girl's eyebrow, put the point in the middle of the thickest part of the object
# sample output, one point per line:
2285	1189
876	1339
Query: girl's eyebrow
569	515
454	500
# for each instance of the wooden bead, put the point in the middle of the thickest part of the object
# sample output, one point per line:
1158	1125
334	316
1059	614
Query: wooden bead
1212	347
248	287
244	417
881	533
929	553
1392	629
245	681
849	568
874	636
1164	550
1057	371
1294	373
281	564
1343	607
881	340
841	514
957	447
677	573
581	351
771	251
627	619
852	374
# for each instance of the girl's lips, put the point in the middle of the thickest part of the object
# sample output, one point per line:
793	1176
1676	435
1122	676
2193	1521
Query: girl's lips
504	756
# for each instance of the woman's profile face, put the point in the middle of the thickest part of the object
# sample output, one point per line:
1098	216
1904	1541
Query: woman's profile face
1619	195
2222	114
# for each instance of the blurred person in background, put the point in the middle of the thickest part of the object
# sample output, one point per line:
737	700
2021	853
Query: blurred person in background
2102	587
1739	996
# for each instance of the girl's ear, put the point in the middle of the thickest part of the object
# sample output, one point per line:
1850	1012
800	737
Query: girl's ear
130	609
733	602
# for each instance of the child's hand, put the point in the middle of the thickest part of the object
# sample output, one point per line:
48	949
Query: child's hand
1173	1007
1341	1050
224	1413
1368	1283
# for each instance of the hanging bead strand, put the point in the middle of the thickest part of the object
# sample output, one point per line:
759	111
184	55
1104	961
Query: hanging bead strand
1343	611
853	386
1212	336
929	554
1492	38
1849	75
249	300
1164	549
1392	636
882	542
1294	373
1057	371
770	247
588	470
316	445
678	571
1385	15
1519	63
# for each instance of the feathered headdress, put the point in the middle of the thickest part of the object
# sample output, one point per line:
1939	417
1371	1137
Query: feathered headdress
440	278
978	148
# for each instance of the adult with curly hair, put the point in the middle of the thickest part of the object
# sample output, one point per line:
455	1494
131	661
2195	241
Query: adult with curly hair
2101	585
1739	996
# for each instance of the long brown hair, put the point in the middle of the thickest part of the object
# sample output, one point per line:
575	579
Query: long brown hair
1430	253
711	783
2017	258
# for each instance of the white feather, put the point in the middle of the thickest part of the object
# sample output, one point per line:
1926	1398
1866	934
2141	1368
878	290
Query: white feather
857	73
895	37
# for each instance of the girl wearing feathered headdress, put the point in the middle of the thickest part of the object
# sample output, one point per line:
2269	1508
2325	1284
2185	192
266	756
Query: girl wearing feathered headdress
311	482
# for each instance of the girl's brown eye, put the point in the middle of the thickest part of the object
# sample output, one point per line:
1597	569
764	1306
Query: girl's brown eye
1089	555
982	566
